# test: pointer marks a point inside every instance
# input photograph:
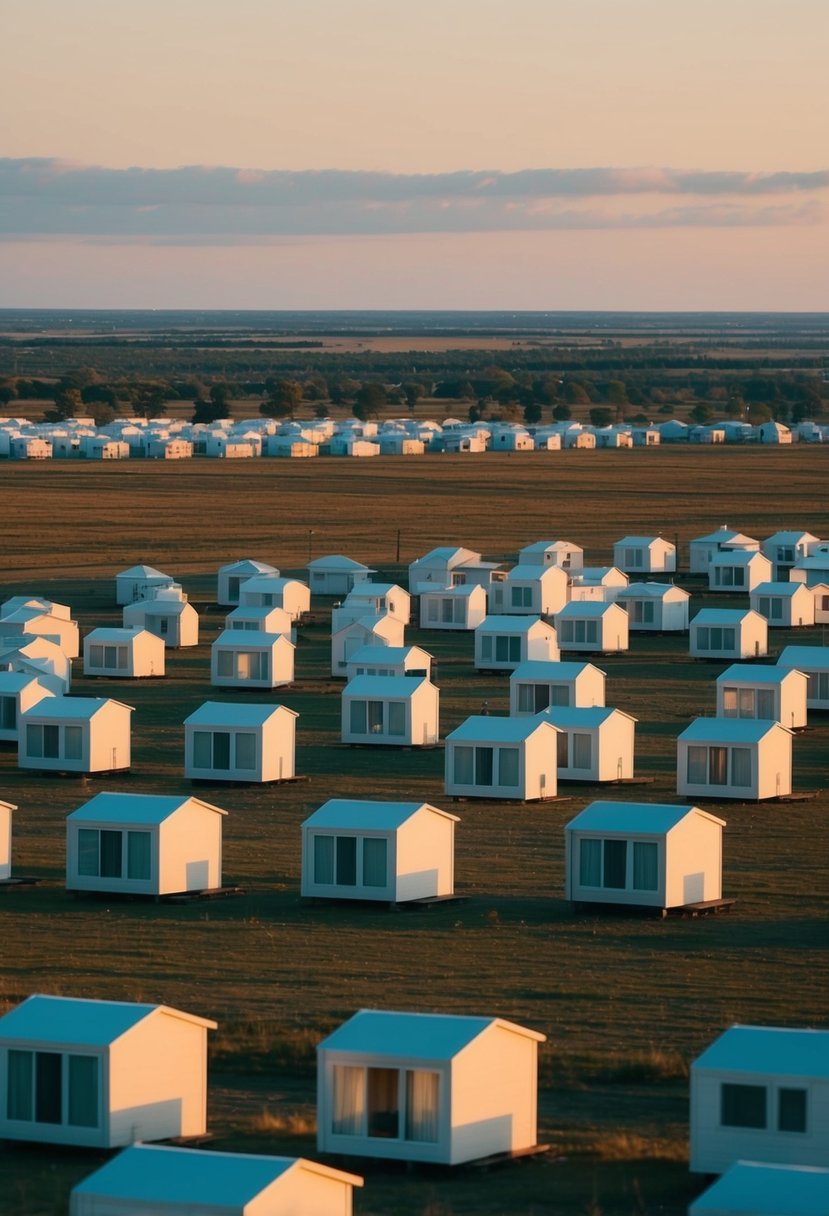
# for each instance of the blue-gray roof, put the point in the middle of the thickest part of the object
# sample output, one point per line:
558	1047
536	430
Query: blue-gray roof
735	557
753	673
244	639
498	730
721	616
197	1178
789	538
336	562
389	656
135	808
248	563
549	671
401	687
641	540
752	1188
729	730
724	536
655	590
581	608
76	708
359	813
72	1020
633	818
235	713
786	589
424	1036
142	572
770	1051
804	658
508	624
573	717
125	635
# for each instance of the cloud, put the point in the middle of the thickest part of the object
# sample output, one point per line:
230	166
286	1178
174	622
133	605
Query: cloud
204	204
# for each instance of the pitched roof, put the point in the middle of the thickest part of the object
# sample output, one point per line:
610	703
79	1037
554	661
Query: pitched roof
389	656
724	536
550	671
127	634
248	564
509	624
499	730
425	1036
755	673
72	707
729	730
142	572
656	590
235	713
736	557
805	658
587	608
721	616
241	639
383	686
752	1188
784	590
770	1050
337	562
789	538
362	813
634	818
136	808
73	1020
643	540
587	717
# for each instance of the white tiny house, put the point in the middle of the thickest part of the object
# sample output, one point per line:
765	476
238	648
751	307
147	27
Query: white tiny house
32	622
75	734
783	549
41	658
530	591
272	591
138	583
389	851
814	662
400	711
231	577
19	692
261	620
123	654
738	570
243	658
427	1087
168	616
502	642
144	844
744	758
367	631
655	607
704	548
488	757
389	661
753	690
434	570
593	627
760	1093
643	854
336	575
728	633
537	685
784	605
458	608
644	555
593	744
597	583
6	809
552	553
372	599
240	742
101	1074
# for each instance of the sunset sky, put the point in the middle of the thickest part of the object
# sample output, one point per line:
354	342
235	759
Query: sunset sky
541	154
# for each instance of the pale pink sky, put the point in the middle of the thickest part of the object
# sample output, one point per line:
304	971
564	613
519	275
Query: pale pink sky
724	102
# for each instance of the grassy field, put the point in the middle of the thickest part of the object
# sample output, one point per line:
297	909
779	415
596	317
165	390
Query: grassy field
625	1002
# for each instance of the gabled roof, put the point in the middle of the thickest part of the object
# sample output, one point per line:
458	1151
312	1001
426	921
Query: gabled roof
15	681
142	572
397	687
756	673
358	813
567	717
784	590
653	590
535	573
72	707
499	730
336	562
73	1020
198	1178
635	818
136	808
790	538
805	658
235	713
248	565
556	546
509	624
127	634
725	536
729	730
388	656
269	582
241	639
370	590
370	622
596	574
769	1050
736	557
550	671
587	608
462	590
425	1036
752	1188
722	616
643	540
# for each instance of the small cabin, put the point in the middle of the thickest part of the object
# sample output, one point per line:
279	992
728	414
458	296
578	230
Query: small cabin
244	658
40	658
814	662
336	575
783	549
180	1181
75	734
402	711
704	548
655	607
434	570
439	1088
760	1093
168	616
19	692
754	690
597	583
231	577
101	1074
271	591
6	809
728	633
536	685
813	569
144	844
123	654
820	596
593	744
738	570
593	627
139	583
31	622
643	854
459	608
784	605
261	620
240	742
552	553
530	591
754	1188
377	599
644	555
743	758
489	757
388	851
367	631
389	661
502	642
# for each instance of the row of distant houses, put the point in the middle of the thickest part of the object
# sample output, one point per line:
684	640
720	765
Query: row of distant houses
169	439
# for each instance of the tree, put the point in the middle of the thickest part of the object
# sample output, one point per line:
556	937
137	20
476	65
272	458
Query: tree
343	390
283	398
562	412
147	397
101	412
412	391
532	413
370	398
701	414
67	404
205	412
601	415
221	395
315	388
8	391
575	393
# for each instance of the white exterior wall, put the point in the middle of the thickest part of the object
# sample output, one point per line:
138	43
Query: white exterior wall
611	751
538	642
332	890
123	885
714	1148
128	590
494	1095
758	570
182	622
537	774
275	751
281	655
771	769
670	615
190	851
145	657
58	629
797	609
693	867
388	632
27	698
56	1133
751	639
158	1081
109	738
5	841
789	698
422	718
300	1191
473	611
612	633
425	857
659	557
574	891
548	593
586	691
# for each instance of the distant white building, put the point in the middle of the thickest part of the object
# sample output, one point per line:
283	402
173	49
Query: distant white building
395	710
75	734
489	757
124	654
460	608
231	577
240	742
19	692
336	575
728	633
644	555
536	686
754	690
593	627
704	548
502	642
138	582
655	607
814	662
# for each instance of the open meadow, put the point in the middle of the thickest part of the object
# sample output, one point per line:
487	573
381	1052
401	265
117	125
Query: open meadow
626	1002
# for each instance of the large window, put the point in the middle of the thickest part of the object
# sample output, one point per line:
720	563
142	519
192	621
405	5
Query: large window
508	649
818	686
580	632
386	1103
377	718
645	865
749	703
730	576
634	559
350	861
614	861
771	607
243	664
582	751
109	853
522	597
43	741
619	865
791	1110
108	657
641	611
719	766
8	713
50	1087
487	766
742	1105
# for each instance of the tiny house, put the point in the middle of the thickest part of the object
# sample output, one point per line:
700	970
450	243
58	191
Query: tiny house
434	570
644	555
728	633
75	734
552	553
536	685
19	692
168	616
437	1088
501	642
754	1188
760	1093
101	1074
814	661
458	608
738	570
367	631
271	591
144	844
244	658
593	627
172	1181
389	851
123	654
655	607
488	757
30	622
749	759
240	742
261	620
231	577
753	690
813	569
138	583
389	661
530	591
336	575
367	599
593	744
41	658
399	710
784	605
704	548
783	549
597	583
643	854
6	809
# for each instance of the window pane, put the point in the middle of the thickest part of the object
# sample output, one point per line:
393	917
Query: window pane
582	751
514	650
51	742
375	717
83	1090
741	766
110	854
791	1110
483	766
745	703
323	859
462	759
110	657
562	749
121	663
729	702
374	862
446	611
246	750
590	863
615	864
591	631
559	694
202	749
728	639
486	647
508	766
224	663
349	1096
73	743
422	1090
19	1104
698	765
8	713
432	609
743	1105
645	865
502	649
48	1093
346	861
703	638
765	704
717	765
221	750
138	855
88	852
526	699
358	718
96	656
397	718
383	1103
